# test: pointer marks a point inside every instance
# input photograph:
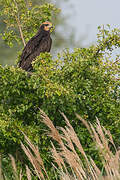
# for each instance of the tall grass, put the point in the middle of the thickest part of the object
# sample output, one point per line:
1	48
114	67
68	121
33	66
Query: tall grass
70	160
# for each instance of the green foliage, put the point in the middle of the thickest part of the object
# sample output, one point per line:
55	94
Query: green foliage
26	17
85	81
22	18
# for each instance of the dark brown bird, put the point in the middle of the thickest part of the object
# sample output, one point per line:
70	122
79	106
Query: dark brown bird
41	42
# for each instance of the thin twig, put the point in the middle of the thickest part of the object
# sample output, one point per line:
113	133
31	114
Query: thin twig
19	25
1	177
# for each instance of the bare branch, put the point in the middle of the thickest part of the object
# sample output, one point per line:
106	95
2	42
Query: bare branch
1	177
19	25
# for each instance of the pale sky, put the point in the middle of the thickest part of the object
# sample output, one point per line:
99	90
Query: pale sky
87	15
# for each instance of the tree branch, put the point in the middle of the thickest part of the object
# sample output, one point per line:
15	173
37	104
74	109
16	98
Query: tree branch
19	25
1	177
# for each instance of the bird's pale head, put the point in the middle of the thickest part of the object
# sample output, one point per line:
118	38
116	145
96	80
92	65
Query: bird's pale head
47	26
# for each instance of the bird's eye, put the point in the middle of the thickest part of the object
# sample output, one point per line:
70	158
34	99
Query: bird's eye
47	24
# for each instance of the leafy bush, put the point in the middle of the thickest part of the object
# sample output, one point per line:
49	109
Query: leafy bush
85	81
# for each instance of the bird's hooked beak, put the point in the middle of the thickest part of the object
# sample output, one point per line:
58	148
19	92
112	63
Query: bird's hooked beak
51	27
48	26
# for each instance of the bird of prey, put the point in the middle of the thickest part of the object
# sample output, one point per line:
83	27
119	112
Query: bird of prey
41	42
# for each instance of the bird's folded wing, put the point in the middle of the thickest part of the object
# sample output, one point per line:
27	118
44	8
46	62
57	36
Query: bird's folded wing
30	47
